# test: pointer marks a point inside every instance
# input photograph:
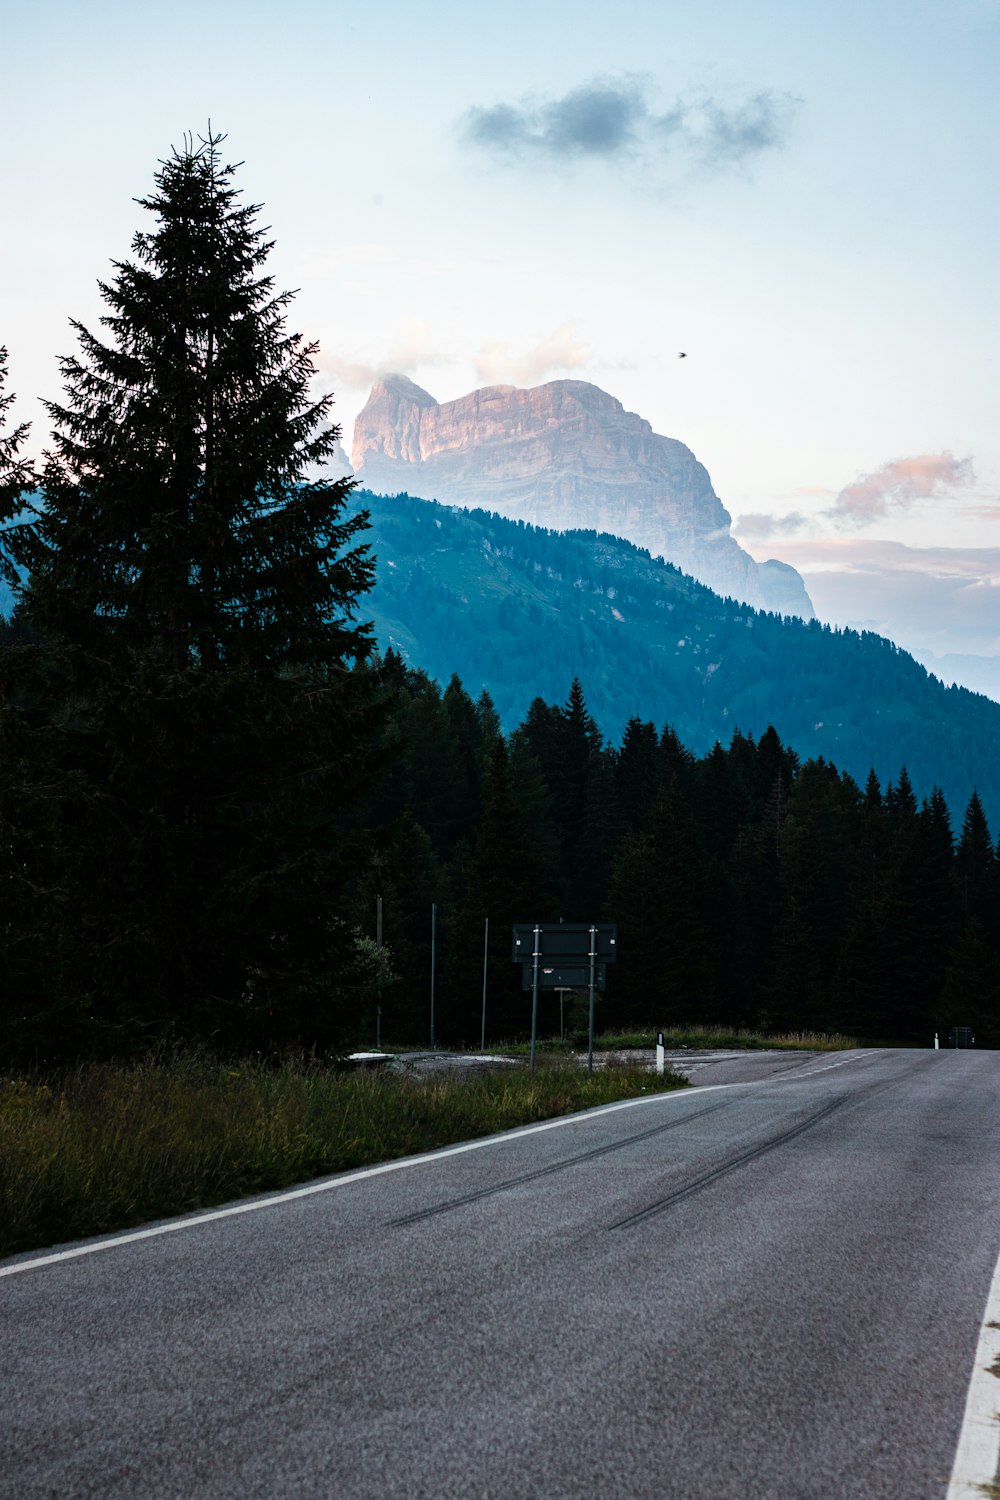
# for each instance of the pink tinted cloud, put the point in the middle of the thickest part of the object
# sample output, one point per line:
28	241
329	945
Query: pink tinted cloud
899	485
812	492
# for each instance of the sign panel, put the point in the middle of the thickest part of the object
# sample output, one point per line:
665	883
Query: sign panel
564	942
562	977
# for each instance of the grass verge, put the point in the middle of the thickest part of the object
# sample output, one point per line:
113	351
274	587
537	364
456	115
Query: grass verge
725	1037
106	1147
710	1037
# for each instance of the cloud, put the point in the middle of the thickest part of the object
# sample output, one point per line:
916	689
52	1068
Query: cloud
761	123
876	555
898	486
940	599
614	119
563	349
758	524
413	350
596	119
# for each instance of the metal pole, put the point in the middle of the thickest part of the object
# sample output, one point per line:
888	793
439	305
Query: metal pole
378	999
434	917
534	994
486	954
590	1026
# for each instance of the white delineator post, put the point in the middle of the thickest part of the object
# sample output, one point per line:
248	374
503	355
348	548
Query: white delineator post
659	1053
937	1044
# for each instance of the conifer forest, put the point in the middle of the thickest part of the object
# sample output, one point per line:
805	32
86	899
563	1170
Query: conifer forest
211	778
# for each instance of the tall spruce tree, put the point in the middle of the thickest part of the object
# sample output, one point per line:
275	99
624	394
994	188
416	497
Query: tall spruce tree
29	822
975	863
197	588
15	469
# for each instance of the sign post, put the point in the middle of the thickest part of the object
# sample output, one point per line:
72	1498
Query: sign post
378	972
534	993
486	955
434	920
590	1018
564	956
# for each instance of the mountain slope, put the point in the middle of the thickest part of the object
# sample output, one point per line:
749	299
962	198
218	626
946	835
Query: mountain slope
564	455
521	611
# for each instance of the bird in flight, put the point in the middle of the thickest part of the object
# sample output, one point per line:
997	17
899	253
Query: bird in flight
682	355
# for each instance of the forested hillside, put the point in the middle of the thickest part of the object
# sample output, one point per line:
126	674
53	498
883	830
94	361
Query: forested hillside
748	888
521	611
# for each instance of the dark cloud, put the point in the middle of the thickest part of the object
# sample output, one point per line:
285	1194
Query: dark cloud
615	119
598	119
759	124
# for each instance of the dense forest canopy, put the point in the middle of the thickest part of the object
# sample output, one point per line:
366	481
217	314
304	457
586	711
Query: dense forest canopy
749	888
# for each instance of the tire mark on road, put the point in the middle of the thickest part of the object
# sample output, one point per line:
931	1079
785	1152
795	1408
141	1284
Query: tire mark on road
558	1166
653	1209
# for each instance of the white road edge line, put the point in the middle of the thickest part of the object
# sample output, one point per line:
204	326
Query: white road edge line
977	1458
329	1184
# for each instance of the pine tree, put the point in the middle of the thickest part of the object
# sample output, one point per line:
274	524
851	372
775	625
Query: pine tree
579	743
16	473
975	862
197	588
29	814
466	732
661	895
508	879
636	766
971	992
601	833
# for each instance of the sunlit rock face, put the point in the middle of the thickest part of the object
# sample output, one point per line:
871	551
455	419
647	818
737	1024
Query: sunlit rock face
564	455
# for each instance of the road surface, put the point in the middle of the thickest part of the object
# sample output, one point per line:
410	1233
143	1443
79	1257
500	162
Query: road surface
770	1288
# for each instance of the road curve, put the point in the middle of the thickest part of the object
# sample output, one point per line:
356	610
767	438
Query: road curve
766	1289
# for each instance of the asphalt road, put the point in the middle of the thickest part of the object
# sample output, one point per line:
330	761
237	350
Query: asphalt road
763	1289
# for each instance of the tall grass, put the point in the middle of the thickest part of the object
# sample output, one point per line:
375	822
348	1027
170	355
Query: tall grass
715	1037
711	1037
104	1147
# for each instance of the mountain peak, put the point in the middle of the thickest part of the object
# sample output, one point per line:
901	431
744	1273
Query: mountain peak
565	455
394	384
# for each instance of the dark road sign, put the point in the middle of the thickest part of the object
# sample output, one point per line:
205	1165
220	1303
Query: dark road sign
564	956
563	977
564	942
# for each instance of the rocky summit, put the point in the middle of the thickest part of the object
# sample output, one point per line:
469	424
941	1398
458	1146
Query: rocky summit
567	456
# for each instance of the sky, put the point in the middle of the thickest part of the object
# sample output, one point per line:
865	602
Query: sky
801	198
